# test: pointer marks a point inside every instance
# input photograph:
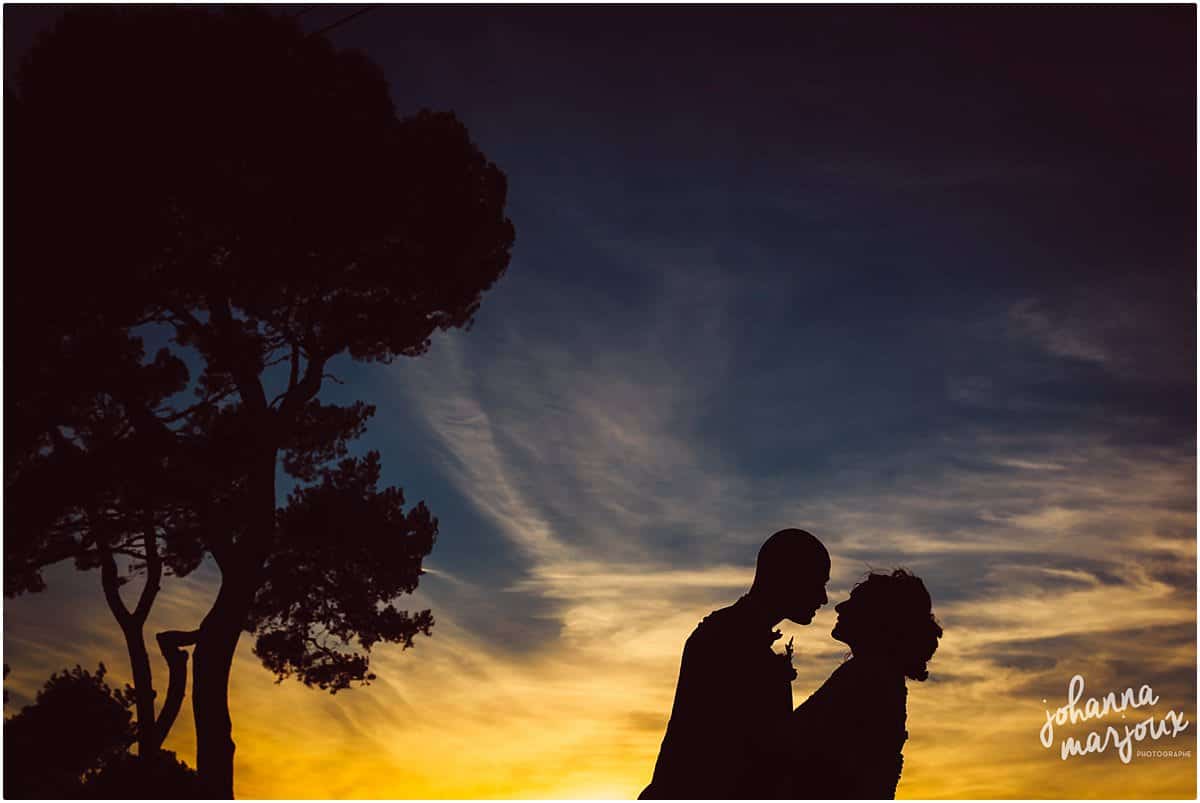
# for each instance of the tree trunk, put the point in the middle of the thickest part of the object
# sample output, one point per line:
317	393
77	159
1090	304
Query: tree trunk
241	570
210	695
143	688
171	643
149	736
132	624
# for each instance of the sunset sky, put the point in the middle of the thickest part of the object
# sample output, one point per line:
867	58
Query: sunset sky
919	281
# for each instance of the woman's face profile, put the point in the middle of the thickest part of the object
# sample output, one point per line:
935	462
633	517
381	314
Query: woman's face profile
857	623
843	627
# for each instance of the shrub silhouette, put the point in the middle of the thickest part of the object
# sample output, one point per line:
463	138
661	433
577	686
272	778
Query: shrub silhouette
73	743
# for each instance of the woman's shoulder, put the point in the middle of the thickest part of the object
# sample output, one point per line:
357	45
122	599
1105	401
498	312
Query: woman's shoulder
855	695
859	678
849	735
872	677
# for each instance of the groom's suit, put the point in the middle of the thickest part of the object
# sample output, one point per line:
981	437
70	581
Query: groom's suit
725	738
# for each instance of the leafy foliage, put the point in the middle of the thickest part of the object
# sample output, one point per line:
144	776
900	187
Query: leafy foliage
128	777
345	551
223	182
73	742
78	725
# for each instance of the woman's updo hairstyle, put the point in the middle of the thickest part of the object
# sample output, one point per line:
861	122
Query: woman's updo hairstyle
900	606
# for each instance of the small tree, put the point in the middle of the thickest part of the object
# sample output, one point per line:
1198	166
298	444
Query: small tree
88	462
73	743
77	725
252	191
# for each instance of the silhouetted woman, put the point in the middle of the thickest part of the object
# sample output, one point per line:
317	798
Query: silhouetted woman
849	734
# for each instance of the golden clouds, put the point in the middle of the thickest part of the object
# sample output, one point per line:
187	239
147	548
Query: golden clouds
1044	557
582	716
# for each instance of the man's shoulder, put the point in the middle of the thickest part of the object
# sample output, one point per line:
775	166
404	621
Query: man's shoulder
719	627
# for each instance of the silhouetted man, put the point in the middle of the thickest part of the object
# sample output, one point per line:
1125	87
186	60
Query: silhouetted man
726	736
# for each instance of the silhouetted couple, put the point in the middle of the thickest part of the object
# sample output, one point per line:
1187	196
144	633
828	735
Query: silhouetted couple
733	733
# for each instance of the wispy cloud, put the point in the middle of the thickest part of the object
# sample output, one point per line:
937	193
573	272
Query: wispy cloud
597	459
1061	543
1133	327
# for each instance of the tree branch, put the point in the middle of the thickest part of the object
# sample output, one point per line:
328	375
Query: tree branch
112	594
304	391
153	574
295	374
157	316
171	643
187	317
277	360
221	546
248	382
216	397
62	546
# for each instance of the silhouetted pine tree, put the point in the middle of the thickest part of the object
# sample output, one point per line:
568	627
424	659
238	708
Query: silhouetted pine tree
247	190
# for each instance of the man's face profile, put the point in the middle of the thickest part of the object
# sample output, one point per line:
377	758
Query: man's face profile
809	596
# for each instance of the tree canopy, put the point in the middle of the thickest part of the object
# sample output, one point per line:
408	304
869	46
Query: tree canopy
243	191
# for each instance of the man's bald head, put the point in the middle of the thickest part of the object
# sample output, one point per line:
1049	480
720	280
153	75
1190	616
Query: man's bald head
792	570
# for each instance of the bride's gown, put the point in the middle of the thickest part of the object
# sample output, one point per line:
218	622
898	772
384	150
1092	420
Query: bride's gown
849	734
